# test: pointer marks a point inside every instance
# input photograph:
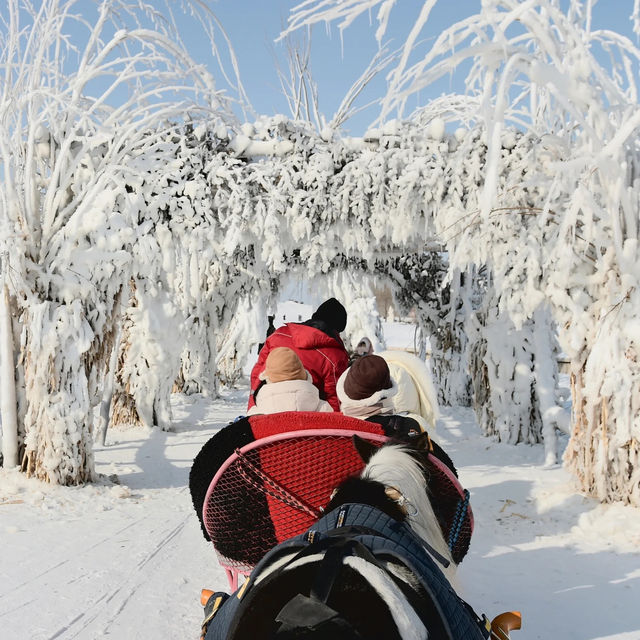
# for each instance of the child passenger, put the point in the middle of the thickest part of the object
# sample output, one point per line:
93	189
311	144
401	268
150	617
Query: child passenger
367	391
286	386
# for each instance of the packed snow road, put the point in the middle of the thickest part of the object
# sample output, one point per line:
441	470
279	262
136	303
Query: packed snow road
121	560
127	561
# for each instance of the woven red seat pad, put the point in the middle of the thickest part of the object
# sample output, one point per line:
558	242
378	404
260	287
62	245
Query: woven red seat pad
264	426
245	514
309	469
444	488
307	466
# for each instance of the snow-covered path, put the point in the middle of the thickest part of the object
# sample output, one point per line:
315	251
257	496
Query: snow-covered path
570	565
128	561
121	561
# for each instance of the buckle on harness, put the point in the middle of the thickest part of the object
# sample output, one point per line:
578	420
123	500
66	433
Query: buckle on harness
211	606
399	498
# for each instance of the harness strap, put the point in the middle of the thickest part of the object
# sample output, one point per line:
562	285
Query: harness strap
342	515
308	614
358	529
333	560
211	607
332	546
347	545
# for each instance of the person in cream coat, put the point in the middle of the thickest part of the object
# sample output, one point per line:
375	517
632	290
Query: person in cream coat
287	386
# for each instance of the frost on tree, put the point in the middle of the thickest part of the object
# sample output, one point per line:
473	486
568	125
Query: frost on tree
441	311
348	191
205	219
69	223
515	375
565	235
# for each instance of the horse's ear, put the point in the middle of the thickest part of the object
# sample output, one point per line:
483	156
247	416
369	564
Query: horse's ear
422	442
364	448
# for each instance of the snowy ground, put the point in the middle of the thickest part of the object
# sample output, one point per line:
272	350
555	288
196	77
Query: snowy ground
127	560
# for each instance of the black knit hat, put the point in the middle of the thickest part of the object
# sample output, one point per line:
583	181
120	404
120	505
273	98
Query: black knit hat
365	376
333	313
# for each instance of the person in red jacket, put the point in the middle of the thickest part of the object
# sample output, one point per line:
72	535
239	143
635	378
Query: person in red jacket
317	343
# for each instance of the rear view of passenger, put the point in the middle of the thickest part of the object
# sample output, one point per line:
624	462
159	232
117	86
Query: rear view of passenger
288	386
366	388
368	391
317	343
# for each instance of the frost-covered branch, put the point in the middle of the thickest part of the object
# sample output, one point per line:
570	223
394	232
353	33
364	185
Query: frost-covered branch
298	86
88	107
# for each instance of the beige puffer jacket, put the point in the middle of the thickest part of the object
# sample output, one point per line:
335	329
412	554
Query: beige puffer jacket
289	395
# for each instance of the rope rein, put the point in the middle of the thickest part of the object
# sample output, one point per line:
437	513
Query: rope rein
277	491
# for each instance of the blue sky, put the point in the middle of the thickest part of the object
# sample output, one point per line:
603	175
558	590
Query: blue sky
336	62
253	25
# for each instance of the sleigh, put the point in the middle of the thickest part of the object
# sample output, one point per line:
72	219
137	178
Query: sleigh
267	478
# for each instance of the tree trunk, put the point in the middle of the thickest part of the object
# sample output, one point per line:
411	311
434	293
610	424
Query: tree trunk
58	420
149	362
449	342
198	363
604	449
545	372
503	361
441	312
123	404
8	404
105	405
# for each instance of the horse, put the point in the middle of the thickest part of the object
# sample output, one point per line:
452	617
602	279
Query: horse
395	480
375	566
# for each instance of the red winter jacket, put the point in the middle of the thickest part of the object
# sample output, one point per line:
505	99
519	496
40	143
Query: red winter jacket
322	355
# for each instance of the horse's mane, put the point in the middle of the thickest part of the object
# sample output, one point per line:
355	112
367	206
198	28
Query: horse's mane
364	491
399	466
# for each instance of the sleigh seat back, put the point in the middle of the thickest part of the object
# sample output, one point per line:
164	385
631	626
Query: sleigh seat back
275	479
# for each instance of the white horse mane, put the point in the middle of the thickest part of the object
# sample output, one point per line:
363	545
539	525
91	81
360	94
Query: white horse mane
406	619
394	466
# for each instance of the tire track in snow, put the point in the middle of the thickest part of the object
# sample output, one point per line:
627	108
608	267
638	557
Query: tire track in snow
67	560
126	590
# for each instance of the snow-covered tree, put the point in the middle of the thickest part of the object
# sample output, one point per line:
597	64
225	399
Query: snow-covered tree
83	116
288	196
206	220
565	234
441	311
